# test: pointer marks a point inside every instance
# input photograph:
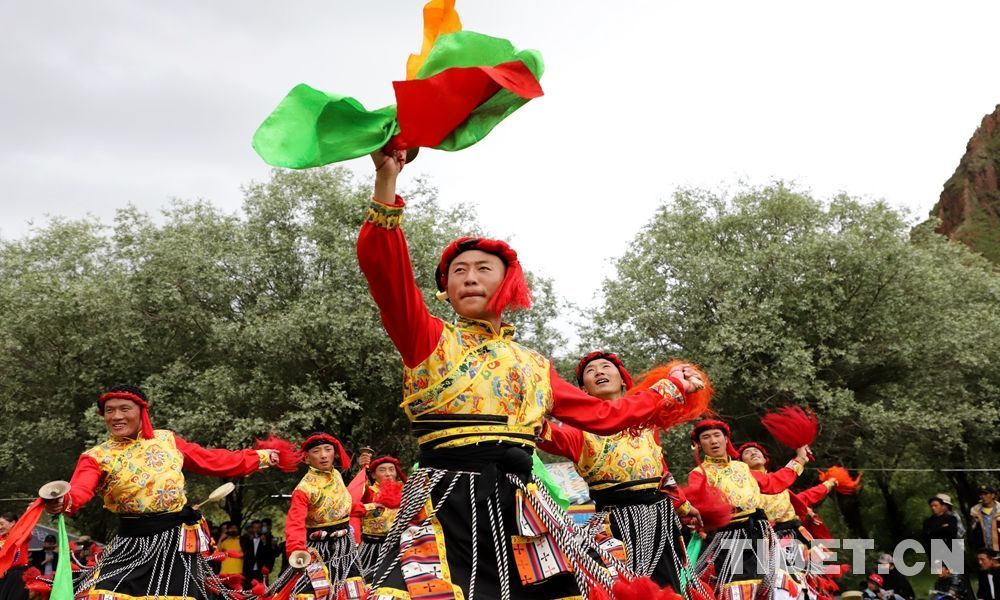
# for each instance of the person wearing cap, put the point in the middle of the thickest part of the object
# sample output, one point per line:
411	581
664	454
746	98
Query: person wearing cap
385	475
892	579
139	474
731	550
476	400
942	524
983	529
628	478
318	522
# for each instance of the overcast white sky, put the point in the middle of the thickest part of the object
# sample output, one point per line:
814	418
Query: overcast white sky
106	102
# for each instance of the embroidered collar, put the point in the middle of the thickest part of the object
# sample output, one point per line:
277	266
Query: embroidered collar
722	460
486	328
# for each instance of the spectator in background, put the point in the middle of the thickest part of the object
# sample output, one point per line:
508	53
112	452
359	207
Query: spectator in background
893	580
984	520
951	586
942	524
46	559
989	574
12	583
254	553
229	541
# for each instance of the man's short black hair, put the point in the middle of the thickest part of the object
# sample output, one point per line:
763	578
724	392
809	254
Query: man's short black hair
50	538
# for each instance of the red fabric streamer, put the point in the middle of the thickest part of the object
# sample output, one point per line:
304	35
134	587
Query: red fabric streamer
390	494
694	406
845	485
715	510
19	534
289	457
513	292
791	426
258	589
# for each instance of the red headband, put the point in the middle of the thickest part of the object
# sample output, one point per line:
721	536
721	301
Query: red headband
608	356
767	459
709	424
513	291
318	439
387	460
147	426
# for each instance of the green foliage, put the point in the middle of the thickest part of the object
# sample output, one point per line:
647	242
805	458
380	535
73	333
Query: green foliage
236	325
891	336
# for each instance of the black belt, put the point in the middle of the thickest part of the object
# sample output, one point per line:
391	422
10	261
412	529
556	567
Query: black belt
747	523
372	539
621	494
328	528
150	524
792	525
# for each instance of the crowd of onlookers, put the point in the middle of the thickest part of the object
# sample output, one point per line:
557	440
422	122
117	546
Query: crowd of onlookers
946	525
253	553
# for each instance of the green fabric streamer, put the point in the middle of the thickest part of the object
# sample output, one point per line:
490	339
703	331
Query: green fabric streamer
540	471
62	582
311	128
693	550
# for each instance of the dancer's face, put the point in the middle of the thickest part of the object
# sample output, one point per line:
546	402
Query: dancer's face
385	472
473	277
321	457
713	443
602	379
754	458
123	417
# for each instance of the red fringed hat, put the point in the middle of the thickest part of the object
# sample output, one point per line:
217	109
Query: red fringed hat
387	459
739	451
136	395
513	291
709	424
608	356
320	438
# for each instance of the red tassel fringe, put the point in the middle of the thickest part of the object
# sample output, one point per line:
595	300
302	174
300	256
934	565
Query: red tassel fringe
845	485
390	494
694	406
289	457
791	426
642	588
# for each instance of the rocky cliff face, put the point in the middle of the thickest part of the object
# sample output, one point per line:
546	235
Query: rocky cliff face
969	207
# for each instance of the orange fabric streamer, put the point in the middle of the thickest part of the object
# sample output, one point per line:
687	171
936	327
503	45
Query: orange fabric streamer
440	17
845	485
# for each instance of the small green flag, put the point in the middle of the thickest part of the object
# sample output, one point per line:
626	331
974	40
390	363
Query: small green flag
693	550
62	583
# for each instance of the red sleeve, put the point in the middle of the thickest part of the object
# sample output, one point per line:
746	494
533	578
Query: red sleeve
385	261
217	462
695	479
368	495
776	482
561	439
82	484
295	522
603	417
813	495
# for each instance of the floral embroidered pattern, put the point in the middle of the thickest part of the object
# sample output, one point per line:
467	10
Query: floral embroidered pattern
141	476
474	370
386	217
620	457
329	500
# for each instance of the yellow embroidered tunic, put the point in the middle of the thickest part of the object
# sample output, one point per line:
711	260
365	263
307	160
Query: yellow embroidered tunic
741	486
377	522
144	476
319	500
778	507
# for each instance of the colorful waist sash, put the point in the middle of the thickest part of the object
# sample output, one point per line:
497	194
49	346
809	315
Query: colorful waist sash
439	431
